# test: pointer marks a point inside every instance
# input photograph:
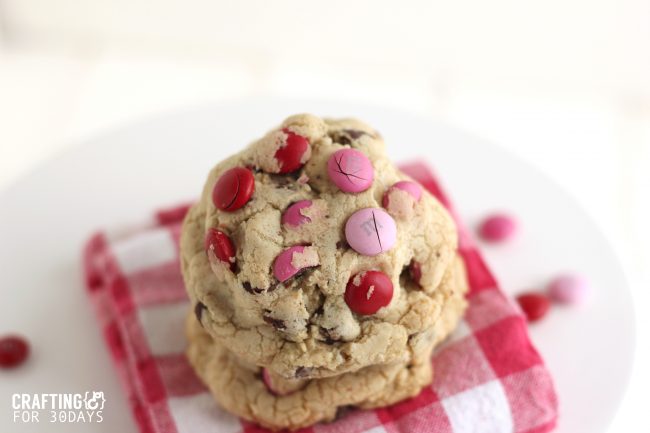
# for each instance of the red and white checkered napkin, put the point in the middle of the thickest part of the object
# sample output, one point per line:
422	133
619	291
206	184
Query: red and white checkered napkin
488	377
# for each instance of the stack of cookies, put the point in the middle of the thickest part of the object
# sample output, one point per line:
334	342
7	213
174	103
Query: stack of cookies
321	277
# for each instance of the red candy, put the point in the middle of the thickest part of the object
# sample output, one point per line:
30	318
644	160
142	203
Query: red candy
534	305
290	155
368	291
233	189
13	351
220	244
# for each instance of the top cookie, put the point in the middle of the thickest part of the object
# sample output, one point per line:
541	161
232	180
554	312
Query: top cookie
309	253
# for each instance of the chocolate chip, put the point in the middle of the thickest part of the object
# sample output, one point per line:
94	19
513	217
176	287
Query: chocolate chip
303	372
198	311
342	245
343	411
297	277
276	323
326	334
347	136
250	289
294	175
282	180
355	133
300	273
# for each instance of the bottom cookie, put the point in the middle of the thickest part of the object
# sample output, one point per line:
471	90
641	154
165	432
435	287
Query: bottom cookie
242	390
254	394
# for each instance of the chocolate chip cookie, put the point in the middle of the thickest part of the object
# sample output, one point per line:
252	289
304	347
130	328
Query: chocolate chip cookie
311	255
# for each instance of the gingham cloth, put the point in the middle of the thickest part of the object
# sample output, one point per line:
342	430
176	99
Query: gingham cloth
488	377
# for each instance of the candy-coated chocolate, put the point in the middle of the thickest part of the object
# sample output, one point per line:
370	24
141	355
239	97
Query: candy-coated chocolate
281	389
350	170
284	266
569	289
293	216
13	351
233	189
291	156
412	188
371	231
498	227
220	245
534	305
368	291
268	382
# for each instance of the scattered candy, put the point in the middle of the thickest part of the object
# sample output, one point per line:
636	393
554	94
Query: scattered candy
219	245
497	228
293	217
371	231
412	188
350	170
368	291
233	189
534	305
13	351
569	289
293	260
293	154
415	271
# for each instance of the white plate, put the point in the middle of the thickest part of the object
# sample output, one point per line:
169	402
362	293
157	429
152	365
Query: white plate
46	216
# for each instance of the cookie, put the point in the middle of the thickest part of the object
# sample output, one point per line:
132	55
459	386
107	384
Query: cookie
310	254
263	397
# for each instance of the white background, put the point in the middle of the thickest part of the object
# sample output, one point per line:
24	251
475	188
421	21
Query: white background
565	84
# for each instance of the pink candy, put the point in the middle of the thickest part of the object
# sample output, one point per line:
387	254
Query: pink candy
350	170
412	188
280	389
286	265
268	381
497	228
371	231
266	377
293	217
569	289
